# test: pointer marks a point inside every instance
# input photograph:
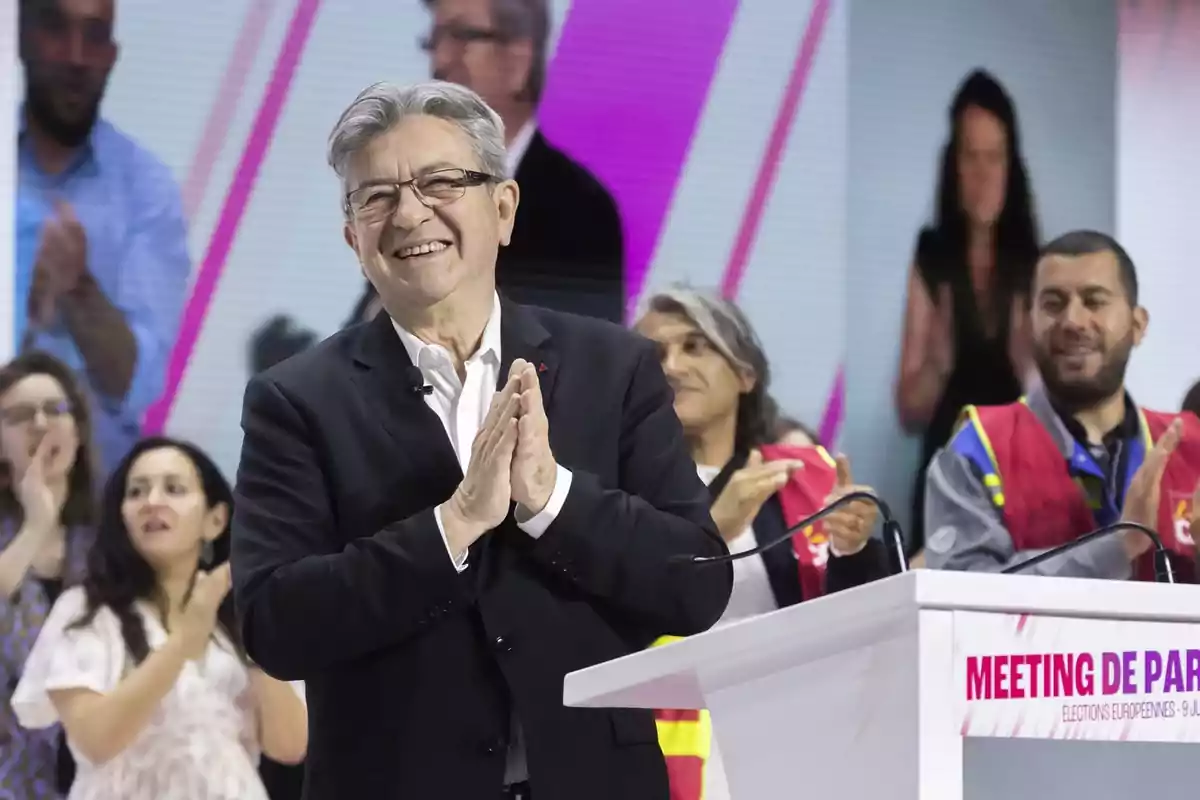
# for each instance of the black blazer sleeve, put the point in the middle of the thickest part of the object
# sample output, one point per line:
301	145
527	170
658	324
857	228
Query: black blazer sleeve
868	564
306	600
614	543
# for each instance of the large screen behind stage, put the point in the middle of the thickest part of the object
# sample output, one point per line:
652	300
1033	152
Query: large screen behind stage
783	151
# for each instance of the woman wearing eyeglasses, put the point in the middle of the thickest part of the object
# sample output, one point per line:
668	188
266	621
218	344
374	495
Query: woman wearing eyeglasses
46	516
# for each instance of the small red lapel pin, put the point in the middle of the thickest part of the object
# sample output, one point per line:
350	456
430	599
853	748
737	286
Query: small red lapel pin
542	366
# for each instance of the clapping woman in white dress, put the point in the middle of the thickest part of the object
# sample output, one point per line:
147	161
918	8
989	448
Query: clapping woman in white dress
143	665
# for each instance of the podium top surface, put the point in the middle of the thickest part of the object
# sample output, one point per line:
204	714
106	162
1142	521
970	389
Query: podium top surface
883	609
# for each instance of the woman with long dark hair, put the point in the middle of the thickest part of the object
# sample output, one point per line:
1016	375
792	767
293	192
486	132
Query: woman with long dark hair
143	664
966	324
47	513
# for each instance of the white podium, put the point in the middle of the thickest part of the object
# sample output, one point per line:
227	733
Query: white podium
941	686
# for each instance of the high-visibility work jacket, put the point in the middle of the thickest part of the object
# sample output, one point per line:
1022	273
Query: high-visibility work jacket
1047	500
685	736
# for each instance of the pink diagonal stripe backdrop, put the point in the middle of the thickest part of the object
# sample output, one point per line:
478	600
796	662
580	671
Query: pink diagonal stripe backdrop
768	168
624	94
764	182
240	189
229	93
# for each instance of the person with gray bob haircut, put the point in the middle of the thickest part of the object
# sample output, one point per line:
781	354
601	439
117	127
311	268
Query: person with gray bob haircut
720	375
443	511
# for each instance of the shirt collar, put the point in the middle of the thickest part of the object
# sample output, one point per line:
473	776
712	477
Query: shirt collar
520	144
1126	429
1066	430
489	344
82	156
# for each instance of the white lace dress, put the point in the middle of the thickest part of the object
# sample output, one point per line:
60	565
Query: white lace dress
202	742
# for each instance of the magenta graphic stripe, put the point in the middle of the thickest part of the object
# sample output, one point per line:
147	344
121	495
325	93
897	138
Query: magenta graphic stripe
624	95
835	411
768	168
229	93
242	186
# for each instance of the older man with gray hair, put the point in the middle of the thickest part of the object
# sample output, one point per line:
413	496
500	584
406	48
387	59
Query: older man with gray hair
442	512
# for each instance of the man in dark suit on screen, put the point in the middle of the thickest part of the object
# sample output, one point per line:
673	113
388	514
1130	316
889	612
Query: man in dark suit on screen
443	511
566	250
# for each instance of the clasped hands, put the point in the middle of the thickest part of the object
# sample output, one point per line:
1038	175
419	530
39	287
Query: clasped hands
510	462
61	262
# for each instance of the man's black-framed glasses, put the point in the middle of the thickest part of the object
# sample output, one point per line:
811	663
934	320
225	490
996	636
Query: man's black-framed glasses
460	35
379	199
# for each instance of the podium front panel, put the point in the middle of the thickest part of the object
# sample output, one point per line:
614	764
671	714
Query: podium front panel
1053	707
1040	677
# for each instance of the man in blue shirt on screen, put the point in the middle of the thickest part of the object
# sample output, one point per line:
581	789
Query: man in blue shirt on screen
105	285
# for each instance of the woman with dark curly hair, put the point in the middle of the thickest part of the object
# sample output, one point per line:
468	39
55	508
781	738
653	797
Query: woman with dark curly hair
143	664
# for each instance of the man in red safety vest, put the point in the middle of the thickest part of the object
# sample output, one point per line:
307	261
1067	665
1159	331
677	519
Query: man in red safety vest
1077	453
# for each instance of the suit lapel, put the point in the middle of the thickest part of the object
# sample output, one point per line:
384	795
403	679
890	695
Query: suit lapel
383	363
523	336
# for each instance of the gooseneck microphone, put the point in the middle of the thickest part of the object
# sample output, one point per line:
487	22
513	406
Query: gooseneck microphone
1162	561
893	537
416	381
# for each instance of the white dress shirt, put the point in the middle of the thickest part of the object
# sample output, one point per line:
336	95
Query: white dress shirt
520	143
462	406
752	594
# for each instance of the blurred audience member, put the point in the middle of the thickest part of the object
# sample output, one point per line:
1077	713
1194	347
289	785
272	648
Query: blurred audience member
107	279
142	663
1192	401
1078	453
567	248
966	333
46	517
721	378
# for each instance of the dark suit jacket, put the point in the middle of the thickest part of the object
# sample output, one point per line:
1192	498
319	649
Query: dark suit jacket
567	249
342	578
841	572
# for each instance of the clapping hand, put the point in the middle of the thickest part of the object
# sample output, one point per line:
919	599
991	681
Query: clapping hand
61	262
747	490
199	618
1142	498
850	526
1194	522
38	505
